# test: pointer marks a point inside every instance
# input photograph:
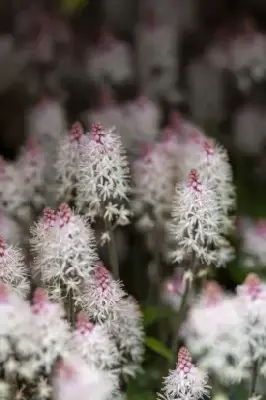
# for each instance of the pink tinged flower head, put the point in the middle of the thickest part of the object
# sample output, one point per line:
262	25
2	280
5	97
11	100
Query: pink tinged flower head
64	215
97	133
194	182
49	217
102	276
213	293
261	228
76	132
184	361
83	325
253	286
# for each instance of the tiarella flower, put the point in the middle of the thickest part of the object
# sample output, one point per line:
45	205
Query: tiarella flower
103	175
127	331
13	271
75	379
212	333
93	343
172	291
102	295
69	156
253	243
31	163
10	230
142	118
186	382
251	297
68	254
13	198
39	231
154	181
52	330
196	220
19	351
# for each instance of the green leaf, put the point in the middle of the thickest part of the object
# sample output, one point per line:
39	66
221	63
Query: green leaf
70	6
152	314
158	347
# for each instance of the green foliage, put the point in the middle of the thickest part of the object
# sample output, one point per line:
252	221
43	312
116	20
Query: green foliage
158	347
71	6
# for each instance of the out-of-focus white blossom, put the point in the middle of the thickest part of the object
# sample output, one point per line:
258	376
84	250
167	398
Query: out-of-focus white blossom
19	351
253	243
68	254
186	382
75	379
52	330
141	123
103	175
13	198
40	229
102	295
110	59
154	178
213	334
13	271
10	230
94	344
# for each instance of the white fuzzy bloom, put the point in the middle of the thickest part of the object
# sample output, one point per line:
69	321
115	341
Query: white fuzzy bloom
142	121
111	58
103	175
253	243
52	330
127	331
10	230
102	295
13	271
196	220
75	379
68	255
39	231
13	197
69	154
212	333
251	298
186	382
19	351
32	164
94	344
154	178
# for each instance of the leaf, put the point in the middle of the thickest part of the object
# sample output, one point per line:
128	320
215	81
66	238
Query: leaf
158	347
152	314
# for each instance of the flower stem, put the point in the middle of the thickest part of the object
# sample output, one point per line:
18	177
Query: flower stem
113	259
253	380
70	308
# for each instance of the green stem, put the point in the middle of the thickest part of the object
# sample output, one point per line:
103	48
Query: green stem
113	258
253	380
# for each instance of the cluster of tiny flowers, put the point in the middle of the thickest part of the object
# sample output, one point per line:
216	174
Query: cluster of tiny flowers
154	178
102	176
31	162
186	382
13	198
70	148
13	271
253	234
196	220
66	252
107	303
227	332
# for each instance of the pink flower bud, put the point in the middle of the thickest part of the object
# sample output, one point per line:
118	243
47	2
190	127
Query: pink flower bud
76	132
184	361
